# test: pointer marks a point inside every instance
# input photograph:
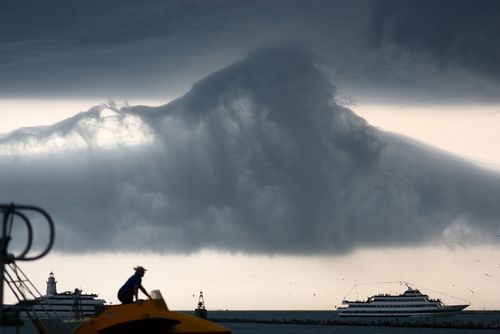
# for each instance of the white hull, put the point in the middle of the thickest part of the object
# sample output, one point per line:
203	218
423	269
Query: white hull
64	306
403	313
409	304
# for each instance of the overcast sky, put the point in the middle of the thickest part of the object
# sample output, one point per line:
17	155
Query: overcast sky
258	138
373	50
256	151
257	157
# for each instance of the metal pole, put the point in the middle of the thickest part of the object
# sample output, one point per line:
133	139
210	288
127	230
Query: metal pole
3	257
9	212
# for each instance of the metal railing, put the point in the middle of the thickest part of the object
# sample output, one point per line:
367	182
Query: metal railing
13	214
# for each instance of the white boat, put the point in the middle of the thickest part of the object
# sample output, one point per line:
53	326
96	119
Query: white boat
410	303
65	306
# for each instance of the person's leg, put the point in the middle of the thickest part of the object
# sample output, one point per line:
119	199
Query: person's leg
125	299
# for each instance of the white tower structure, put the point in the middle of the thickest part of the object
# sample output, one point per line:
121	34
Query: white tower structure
51	285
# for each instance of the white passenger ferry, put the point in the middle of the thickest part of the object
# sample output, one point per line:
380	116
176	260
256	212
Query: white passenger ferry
411	303
65	306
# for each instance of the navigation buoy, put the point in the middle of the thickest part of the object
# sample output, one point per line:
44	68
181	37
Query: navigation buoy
200	310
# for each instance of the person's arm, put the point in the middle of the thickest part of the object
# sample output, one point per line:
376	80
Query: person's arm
136	293
144	291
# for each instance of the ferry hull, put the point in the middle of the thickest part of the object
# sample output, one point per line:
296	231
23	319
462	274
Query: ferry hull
417	313
411	303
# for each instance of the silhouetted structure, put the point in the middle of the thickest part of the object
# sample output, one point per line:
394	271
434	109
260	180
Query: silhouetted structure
200	310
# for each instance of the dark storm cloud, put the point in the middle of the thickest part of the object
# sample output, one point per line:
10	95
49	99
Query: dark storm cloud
449	31
78	47
256	158
376	50
140	48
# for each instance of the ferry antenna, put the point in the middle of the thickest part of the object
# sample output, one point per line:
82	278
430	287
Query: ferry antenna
438	292
355	286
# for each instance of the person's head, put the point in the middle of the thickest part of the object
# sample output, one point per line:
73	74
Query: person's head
140	270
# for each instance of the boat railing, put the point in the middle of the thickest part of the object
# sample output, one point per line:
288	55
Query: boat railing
18	283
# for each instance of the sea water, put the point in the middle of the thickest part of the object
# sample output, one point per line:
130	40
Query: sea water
321	322
247	328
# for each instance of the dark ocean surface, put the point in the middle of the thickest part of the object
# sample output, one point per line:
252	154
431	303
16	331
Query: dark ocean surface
323	322
247	328
298	322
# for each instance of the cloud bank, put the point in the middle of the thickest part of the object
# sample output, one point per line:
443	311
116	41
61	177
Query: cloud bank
258	158
410	51
449	32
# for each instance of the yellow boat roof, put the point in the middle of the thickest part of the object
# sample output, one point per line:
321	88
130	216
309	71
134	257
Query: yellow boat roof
150	316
